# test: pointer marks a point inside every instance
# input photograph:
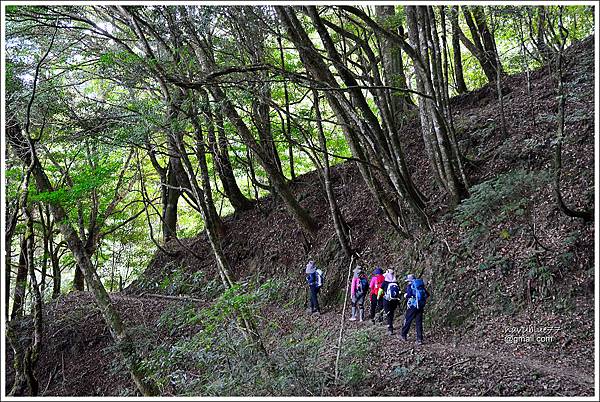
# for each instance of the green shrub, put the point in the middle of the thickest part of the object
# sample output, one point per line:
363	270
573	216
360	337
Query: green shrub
212	357
542	277
355	356
506	197
354	374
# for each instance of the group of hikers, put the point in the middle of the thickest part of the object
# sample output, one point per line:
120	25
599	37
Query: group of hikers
385	296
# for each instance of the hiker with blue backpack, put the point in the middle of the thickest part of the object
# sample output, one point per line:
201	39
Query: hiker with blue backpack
390	293
416	296
358	292
376	302
314	278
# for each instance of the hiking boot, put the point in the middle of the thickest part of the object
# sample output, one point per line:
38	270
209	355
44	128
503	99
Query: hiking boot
403	338
352	318
419	342
316	312
390	331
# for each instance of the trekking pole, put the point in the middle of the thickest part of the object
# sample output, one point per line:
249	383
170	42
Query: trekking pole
339	347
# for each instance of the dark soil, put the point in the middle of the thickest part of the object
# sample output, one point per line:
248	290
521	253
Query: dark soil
472	309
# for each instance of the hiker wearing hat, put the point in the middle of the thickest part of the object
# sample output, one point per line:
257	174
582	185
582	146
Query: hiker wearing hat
390	293
358	291
314	278
416	295
375	285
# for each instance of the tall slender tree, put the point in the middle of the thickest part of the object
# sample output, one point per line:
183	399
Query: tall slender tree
461	86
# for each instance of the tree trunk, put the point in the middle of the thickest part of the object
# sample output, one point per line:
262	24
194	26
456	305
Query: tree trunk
441	149
198	194
21	278
171	196
261	86
56	274
436	129
16	342
46	229
338	219
78	279
8	275
213	237
342	326
487	38
445	76
204	175
262	120
220	155
544	50
393	68
586	215
11	225
33	351
288	127
457	156
461	86
25	363
485	56
499	89
277	179
20	283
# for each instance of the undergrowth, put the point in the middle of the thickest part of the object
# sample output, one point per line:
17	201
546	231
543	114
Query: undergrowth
204	351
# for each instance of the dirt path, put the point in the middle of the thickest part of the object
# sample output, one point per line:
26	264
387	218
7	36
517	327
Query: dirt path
444	366
506	358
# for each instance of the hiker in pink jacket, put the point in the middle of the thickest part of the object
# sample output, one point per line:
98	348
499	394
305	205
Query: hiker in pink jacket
358	292
376	303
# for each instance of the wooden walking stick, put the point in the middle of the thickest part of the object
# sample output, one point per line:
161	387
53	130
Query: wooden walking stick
339	346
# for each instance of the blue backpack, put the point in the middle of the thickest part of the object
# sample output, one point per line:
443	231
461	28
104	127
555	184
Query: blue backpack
363	285
419	296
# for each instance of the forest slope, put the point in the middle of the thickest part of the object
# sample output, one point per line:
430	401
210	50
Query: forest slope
519	263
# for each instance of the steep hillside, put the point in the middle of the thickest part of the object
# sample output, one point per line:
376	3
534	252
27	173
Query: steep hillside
520	264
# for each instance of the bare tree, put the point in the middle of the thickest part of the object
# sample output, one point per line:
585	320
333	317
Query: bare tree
558	49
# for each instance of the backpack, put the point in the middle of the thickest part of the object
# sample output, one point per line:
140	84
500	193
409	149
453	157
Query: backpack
320	277
392	291
363	285
419	294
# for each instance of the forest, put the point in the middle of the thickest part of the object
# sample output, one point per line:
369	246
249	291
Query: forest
192	195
